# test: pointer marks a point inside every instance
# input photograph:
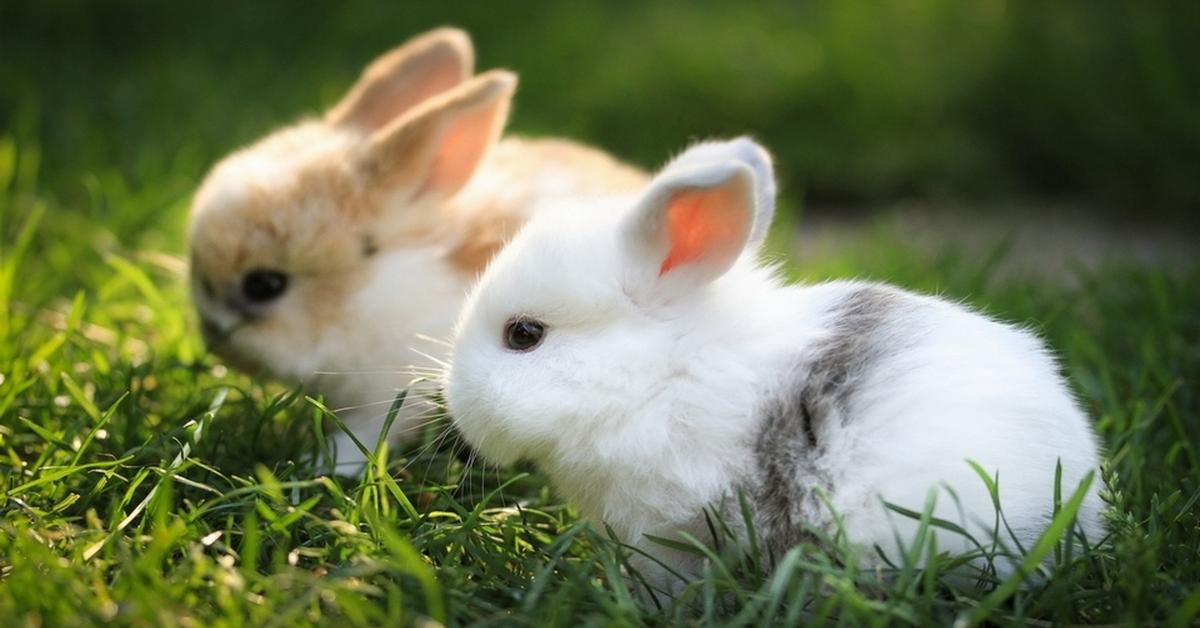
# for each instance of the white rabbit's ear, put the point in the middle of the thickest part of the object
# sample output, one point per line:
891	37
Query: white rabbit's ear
404	77
706	207
433	150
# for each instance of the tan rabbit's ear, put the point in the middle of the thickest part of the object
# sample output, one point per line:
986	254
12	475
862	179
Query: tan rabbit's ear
435	148
404	77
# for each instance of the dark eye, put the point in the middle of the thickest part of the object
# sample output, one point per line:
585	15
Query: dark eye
261	286
523	334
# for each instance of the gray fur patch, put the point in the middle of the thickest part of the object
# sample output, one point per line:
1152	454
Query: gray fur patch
815	399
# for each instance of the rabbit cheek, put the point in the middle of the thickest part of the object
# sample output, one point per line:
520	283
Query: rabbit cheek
492	403
474	410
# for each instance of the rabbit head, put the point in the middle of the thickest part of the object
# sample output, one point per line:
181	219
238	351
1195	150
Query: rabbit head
289	236
576	327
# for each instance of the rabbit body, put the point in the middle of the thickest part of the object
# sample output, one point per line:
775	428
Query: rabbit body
676	371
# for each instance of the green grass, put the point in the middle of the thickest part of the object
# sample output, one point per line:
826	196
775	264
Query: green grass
146	485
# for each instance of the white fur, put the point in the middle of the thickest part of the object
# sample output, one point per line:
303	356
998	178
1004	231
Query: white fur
642	411
394	337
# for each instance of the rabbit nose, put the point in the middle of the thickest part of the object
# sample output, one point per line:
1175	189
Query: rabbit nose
207	286
210	331
244	309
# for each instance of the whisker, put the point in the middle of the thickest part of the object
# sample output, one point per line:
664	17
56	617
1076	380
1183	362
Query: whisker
437	445
432	444
430	357
419	426
500	486
360	406
467	475
365	371
416	457
433	373
431	406
450	459
439	341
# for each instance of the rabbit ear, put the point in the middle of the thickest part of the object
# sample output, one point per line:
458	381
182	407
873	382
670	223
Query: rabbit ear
699	215
434	149
400	79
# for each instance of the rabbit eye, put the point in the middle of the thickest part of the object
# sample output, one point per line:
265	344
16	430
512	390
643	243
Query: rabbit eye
523	334
260	286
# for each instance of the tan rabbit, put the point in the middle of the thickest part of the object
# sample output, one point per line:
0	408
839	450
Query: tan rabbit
330	252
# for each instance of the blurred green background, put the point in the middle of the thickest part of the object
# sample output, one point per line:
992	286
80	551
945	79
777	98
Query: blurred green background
865	103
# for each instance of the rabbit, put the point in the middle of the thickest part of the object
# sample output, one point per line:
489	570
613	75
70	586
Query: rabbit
336	252
651	367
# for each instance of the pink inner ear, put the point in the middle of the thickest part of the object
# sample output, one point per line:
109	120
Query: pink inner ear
462	148
702	223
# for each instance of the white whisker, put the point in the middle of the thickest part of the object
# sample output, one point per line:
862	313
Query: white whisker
439	341
360	406
432	444
431	358
396	370
405	369
437	445
430	420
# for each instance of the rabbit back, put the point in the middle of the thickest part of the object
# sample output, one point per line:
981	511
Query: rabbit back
893	399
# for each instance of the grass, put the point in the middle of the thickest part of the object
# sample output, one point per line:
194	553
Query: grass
144	484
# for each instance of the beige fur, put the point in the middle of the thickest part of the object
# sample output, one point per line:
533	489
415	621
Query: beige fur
408	160
517	165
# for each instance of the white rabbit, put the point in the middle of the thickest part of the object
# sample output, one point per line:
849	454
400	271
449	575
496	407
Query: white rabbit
323	253
646	362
